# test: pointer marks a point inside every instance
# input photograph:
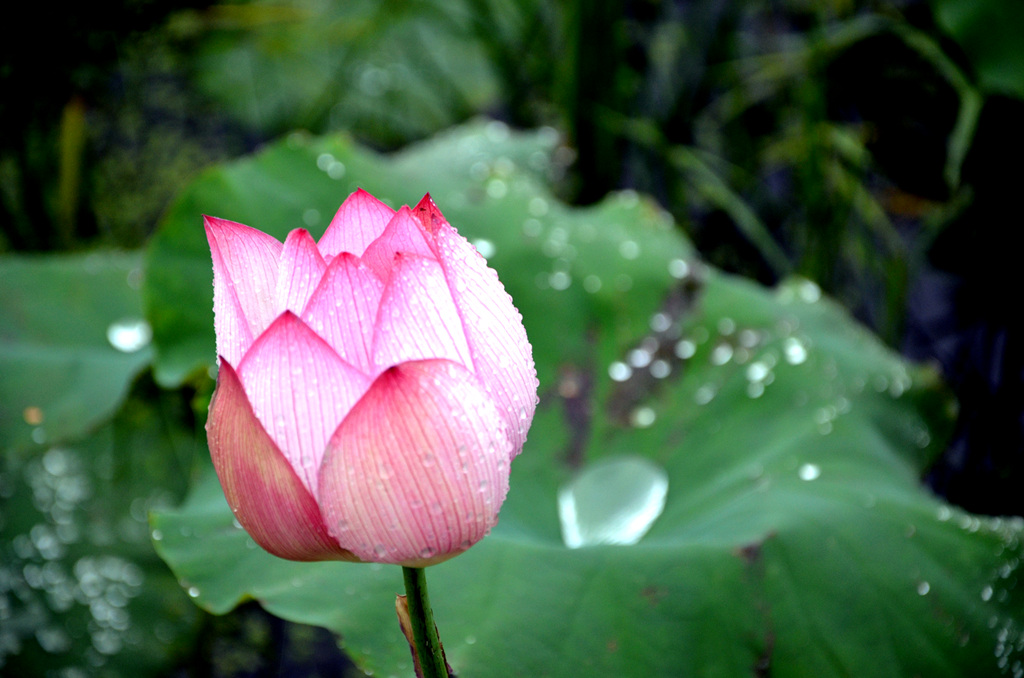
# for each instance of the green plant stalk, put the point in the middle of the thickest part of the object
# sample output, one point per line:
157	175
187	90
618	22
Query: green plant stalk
427	643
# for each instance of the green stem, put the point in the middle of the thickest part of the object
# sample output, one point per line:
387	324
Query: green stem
428	645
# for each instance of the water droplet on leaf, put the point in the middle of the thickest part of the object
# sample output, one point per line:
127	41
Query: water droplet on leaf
614	501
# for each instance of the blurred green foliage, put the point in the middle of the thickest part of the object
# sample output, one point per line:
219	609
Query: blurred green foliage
848	142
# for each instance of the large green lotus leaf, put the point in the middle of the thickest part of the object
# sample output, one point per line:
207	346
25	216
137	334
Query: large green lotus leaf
989	32
81	591
796	538
72	339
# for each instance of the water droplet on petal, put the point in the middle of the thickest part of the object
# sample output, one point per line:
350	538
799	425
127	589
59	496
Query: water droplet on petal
614	501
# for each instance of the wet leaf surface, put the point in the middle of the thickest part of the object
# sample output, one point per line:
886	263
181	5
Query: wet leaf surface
72	339
795	539
81	590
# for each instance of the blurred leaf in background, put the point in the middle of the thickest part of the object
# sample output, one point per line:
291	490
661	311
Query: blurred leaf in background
387	72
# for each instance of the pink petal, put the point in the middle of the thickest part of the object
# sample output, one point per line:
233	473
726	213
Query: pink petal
359	221
417	318
300	390
343	310
244	278
404	233
429	216
299	271
418	470
501	352
264	493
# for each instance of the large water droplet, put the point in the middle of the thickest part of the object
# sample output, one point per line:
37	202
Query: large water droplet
129	334
614	501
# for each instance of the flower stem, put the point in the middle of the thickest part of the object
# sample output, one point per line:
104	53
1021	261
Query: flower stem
427	643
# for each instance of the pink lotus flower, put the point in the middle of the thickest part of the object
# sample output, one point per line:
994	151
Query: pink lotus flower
373	387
